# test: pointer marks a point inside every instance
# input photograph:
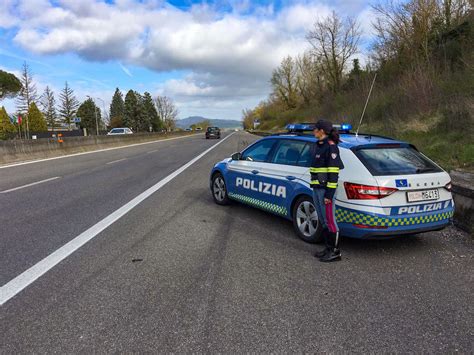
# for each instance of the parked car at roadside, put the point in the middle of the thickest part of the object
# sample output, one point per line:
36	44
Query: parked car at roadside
119	131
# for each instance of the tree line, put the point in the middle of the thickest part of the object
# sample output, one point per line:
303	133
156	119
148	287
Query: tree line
422	54
40	113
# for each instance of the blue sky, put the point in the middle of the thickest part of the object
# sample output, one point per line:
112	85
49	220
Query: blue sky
212	58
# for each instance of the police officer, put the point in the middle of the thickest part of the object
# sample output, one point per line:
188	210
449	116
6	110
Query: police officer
325	167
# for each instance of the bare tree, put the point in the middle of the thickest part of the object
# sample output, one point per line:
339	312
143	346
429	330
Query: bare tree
284	81
28	94
405	29
48	106
311	77
167	111
335	41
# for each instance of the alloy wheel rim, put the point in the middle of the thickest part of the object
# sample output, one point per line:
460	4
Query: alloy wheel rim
219	189
307	218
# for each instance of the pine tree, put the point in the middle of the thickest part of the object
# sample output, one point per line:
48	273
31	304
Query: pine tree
27	96
36	118
87	112
143	121
28	93
131	110
151	113
48	105
7	129
69	105
117	110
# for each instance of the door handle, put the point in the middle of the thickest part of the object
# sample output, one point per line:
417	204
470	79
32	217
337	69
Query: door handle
291	177
255	172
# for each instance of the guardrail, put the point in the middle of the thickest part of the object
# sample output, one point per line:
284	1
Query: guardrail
20	150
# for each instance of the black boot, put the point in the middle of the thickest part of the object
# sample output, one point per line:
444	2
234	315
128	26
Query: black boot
333	254
324	236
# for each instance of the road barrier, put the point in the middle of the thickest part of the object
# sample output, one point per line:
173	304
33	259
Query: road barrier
463	193
21	150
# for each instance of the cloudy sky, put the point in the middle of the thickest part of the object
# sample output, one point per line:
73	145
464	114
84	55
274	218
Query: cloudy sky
212	58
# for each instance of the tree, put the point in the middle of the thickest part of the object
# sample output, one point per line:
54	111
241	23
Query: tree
36	118
150	112
131	110
10	85
28	94
7	129
334	41
310	77
284	81
48	106
69	105
167	111
117	110
143	121
88	112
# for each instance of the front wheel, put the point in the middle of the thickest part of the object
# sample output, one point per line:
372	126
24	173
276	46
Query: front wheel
306	220
219	190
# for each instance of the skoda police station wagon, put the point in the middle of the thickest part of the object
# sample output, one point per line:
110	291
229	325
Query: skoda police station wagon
387	188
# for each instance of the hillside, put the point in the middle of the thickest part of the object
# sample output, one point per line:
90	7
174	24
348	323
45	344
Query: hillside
188	121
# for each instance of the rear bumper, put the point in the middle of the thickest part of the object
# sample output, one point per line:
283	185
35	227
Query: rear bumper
358	224
349	230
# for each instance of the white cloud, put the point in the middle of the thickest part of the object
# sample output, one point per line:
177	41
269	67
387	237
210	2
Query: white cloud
231	54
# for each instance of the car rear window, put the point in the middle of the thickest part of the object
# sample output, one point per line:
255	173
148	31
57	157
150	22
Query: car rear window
396	161
117	130
211	129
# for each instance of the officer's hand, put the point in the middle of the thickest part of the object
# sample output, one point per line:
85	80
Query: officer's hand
327	201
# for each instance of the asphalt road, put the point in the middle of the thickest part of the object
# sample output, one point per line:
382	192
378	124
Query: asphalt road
180	274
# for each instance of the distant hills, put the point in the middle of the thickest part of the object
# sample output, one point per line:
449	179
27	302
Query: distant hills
188	121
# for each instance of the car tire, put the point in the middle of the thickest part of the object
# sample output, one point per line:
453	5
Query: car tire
219	190
306	220
207	137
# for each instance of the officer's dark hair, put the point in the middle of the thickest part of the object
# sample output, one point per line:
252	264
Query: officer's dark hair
327	127
334	135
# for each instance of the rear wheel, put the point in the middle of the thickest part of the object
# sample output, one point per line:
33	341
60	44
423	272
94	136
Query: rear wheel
219	190
306	220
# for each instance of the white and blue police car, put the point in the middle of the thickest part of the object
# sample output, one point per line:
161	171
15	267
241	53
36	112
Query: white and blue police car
387	188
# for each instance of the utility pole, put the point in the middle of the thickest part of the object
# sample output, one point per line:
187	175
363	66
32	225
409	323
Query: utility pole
105	110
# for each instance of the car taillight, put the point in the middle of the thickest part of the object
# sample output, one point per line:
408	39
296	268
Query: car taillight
366	192
448	186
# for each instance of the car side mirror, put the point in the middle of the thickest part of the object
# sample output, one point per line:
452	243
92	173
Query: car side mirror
236	156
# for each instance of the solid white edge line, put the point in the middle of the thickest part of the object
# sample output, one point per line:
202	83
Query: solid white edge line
20	282
93	151
116	161
28	185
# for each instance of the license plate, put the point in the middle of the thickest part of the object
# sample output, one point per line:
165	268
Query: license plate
426	195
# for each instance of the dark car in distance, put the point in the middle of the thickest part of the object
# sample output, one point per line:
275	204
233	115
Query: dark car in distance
213	132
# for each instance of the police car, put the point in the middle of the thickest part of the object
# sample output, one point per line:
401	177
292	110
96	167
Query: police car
387	188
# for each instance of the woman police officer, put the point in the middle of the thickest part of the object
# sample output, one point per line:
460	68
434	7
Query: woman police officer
325	167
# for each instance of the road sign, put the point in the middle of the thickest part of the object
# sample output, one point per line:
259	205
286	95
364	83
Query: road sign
76	120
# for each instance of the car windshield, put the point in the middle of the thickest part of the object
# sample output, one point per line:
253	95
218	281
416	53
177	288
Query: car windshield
396	161
117	130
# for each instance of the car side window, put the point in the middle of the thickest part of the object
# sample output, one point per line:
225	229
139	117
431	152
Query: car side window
289	152
259	151
306	155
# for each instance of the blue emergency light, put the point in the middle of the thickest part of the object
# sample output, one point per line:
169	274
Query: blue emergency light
300	127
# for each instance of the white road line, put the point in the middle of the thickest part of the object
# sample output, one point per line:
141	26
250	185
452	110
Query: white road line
152	151
16	285
28	185
92	152
116	161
